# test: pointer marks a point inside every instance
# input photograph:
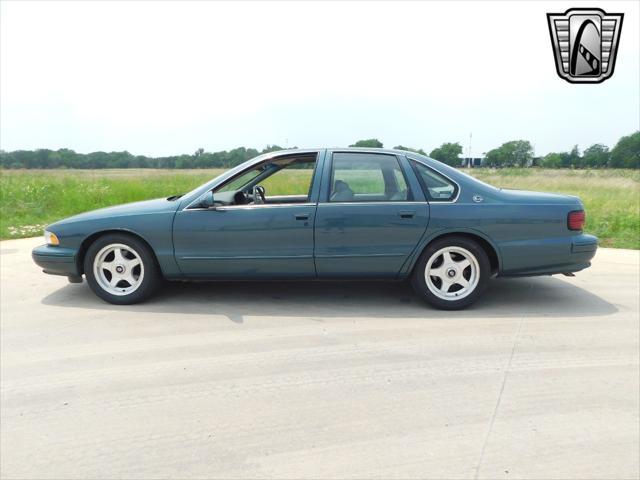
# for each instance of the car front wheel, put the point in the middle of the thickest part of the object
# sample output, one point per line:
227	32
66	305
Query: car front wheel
121	269
451	273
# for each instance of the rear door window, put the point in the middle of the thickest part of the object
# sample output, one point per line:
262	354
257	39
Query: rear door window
364	177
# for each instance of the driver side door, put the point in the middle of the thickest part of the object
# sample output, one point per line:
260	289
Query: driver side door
270	239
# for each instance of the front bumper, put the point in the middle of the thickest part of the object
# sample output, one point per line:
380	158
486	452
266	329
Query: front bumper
56	260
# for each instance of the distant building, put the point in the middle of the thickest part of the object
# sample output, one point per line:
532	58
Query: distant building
471	162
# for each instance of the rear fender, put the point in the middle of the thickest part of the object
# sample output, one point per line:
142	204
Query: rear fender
430	236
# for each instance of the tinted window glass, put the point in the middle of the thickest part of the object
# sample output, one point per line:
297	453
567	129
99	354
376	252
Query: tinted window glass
364	177
436	186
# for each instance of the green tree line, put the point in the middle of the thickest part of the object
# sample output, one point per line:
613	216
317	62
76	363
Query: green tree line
519	153
515	153
65	158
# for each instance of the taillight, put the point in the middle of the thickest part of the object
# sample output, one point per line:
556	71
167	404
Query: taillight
575	220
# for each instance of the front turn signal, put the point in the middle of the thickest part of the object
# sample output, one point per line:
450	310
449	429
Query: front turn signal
51	238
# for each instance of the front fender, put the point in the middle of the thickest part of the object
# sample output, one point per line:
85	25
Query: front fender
155	229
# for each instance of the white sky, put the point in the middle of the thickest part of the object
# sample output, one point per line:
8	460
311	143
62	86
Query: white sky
162	78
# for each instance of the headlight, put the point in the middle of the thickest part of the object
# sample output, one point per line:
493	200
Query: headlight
51	238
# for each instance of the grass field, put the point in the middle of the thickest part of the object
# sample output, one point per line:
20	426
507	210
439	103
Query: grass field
29	199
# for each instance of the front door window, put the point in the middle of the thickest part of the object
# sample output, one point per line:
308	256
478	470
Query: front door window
281	180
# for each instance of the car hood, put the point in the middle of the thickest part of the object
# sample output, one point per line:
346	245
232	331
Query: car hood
524	196
158	205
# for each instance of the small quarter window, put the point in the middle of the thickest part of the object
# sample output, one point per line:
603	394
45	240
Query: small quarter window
436	187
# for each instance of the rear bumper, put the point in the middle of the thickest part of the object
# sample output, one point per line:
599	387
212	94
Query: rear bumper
584	244
56	260
564	255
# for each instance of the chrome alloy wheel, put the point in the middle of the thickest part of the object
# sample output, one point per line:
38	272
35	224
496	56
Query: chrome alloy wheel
118	269
452	273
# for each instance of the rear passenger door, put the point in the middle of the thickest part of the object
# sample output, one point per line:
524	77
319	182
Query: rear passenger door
371	215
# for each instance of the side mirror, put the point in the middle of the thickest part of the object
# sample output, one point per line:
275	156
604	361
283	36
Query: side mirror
207	201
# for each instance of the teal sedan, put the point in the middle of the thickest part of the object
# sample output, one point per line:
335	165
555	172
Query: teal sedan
326	214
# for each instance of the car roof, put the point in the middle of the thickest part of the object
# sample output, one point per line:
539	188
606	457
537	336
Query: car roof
346	149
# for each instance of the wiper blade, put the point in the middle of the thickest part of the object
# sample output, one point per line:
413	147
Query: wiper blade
175	197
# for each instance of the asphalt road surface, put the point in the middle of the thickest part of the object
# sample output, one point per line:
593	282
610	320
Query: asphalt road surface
540	379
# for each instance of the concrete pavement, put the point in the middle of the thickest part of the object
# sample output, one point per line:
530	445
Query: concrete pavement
540	379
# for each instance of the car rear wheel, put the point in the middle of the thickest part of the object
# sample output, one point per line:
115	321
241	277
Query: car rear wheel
451	273
121	269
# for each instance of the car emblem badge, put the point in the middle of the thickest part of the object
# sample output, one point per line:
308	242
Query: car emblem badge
477	198
585	43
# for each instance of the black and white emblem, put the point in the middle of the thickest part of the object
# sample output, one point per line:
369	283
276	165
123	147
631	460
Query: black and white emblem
585	43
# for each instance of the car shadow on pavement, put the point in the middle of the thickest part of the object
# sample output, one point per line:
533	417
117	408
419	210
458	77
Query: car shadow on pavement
537	296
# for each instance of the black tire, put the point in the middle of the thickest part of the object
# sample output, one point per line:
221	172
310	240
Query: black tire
150	280
419	281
